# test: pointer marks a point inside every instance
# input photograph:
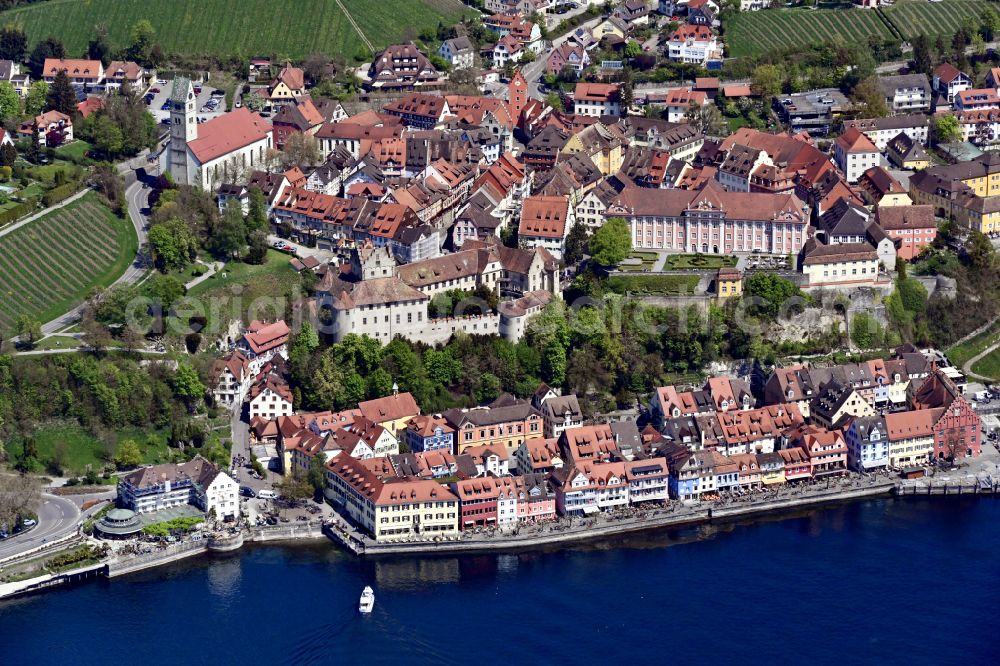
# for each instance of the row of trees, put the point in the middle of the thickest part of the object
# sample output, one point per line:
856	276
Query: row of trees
142	47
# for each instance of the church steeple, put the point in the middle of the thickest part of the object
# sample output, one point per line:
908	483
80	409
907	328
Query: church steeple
183	129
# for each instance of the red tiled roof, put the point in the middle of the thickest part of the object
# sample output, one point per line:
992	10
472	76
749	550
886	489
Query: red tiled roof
389	408
595	92
544	216
855	141
229	132
264	337
75	69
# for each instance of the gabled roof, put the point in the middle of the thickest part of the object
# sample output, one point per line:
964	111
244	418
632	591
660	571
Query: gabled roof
947	72
842	252
227	133
544	216
854	141
293	77
74	68
892	218
261	337
596	92
389	408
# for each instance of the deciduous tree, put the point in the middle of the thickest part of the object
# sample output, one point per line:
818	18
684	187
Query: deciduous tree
611	243
10	103
128	455
29	330
34	101
947	129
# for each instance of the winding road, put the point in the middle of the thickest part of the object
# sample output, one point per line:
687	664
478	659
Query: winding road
57	517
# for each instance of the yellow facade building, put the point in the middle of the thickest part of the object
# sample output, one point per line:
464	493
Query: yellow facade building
968	191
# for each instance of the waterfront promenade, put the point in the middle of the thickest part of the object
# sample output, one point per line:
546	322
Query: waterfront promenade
623	521
128	558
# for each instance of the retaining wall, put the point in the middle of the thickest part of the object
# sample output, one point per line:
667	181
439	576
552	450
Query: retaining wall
121	567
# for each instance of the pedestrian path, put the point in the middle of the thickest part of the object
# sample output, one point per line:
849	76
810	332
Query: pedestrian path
34	216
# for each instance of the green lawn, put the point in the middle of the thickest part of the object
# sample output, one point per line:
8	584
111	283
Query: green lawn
51	264
220	27
989	365
754	33
960	354
34	190
678	262
653	285
648	260
46	173
245	291
75	151
79	448
57	342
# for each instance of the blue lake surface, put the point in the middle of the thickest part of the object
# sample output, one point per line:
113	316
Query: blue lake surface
908	581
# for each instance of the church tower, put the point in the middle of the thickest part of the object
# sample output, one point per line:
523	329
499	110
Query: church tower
183	130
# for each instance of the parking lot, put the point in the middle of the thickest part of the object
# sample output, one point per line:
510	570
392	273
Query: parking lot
159	93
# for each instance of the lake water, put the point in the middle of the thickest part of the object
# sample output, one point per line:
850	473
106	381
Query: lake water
910	581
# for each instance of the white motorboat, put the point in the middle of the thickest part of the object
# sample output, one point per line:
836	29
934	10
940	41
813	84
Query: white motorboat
367	602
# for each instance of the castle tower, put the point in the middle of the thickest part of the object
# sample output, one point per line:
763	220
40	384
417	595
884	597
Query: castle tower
183	130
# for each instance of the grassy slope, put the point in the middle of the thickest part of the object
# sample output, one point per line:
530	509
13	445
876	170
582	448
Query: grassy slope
221	27
752	33
989	365
960	354
82	449
245	288
49	265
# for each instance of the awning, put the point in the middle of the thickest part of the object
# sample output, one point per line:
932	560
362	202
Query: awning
589	509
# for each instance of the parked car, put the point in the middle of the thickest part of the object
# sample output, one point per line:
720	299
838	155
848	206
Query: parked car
154	90
28	522
267	494
247	491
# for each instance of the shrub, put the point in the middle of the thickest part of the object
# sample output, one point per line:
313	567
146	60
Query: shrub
59	193
18	211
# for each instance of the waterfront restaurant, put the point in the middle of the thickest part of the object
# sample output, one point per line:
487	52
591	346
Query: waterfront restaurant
119	524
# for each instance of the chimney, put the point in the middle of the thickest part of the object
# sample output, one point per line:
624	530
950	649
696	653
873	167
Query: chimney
395	388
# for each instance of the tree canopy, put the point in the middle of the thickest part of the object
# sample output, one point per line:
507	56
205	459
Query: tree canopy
611	243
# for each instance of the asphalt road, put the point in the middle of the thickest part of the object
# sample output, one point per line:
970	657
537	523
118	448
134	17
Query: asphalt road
533	71
57	517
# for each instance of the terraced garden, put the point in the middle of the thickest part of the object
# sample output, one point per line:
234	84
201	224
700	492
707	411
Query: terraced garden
653	285
754	33
220	27
50	264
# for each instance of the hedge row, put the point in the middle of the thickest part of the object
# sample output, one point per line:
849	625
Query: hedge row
18	211
57	194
